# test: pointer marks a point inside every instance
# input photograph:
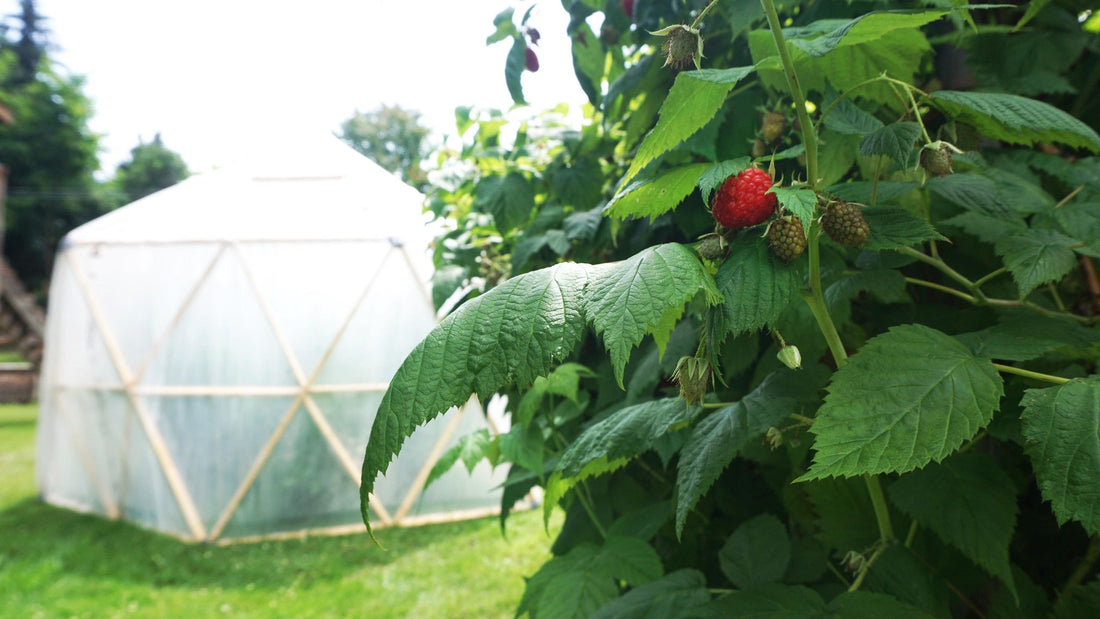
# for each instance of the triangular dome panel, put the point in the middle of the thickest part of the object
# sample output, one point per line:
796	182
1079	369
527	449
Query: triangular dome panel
214	441
394	317
302	486
312	287
223	338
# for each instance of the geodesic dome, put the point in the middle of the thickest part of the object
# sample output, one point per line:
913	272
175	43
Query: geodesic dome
216	351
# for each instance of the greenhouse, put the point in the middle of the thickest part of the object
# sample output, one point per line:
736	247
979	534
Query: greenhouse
215	353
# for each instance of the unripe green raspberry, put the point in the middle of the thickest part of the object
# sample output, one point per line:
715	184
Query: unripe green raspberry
772	126
935	158
786	238
844	223
713	247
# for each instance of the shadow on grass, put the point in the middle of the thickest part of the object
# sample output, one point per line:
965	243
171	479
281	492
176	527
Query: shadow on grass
39	537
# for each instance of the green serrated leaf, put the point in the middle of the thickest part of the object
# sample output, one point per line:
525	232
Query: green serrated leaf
866	605
694	99
898	55
514	65
898	572
886	284
972	192
717	174
1016	119
515	332
1036	257
1062	428
987	228
588	61
671	596
719	437
892	228
895	141
1024	337
627	433
801	201
628	300
1080	602
470	449
772	601
863	191
757	286
969	503
757	552
847	119
658	196
909	397
866	28
508	198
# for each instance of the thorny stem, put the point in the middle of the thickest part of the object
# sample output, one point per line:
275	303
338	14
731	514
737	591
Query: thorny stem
809	133
816	299
882	511
1084	567
1008	369
804	419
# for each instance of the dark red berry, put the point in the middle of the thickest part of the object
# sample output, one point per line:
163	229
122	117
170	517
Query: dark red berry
743	200
531	60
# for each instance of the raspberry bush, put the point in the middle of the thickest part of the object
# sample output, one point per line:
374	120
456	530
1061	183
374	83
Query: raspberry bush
886	405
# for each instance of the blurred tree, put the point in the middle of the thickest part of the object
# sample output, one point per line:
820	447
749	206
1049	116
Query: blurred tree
48	149
151	167
393	137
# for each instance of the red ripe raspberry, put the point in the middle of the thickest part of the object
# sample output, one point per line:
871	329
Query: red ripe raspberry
531	60
743	201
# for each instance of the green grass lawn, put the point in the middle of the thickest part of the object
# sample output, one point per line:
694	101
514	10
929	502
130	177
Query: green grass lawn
56	563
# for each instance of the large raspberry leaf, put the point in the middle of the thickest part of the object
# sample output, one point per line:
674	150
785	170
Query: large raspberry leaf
720	437
757	287
970	503
695	98
909	397
1062	428
1016	119
521	329
658	196
1036	257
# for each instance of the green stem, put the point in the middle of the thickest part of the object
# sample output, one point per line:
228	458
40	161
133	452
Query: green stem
816	300
866	568
982	280
809	134
1057	297
911	535
586	503
882	511
916	113
1038	309
844	95
804	419
1008	369
701	15
1084	567
943	268
1070	196
947	289
974	441
837	573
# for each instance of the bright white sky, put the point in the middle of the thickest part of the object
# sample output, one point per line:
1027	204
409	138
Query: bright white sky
211	75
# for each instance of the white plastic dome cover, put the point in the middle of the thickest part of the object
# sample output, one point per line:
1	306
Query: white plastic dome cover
215	352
